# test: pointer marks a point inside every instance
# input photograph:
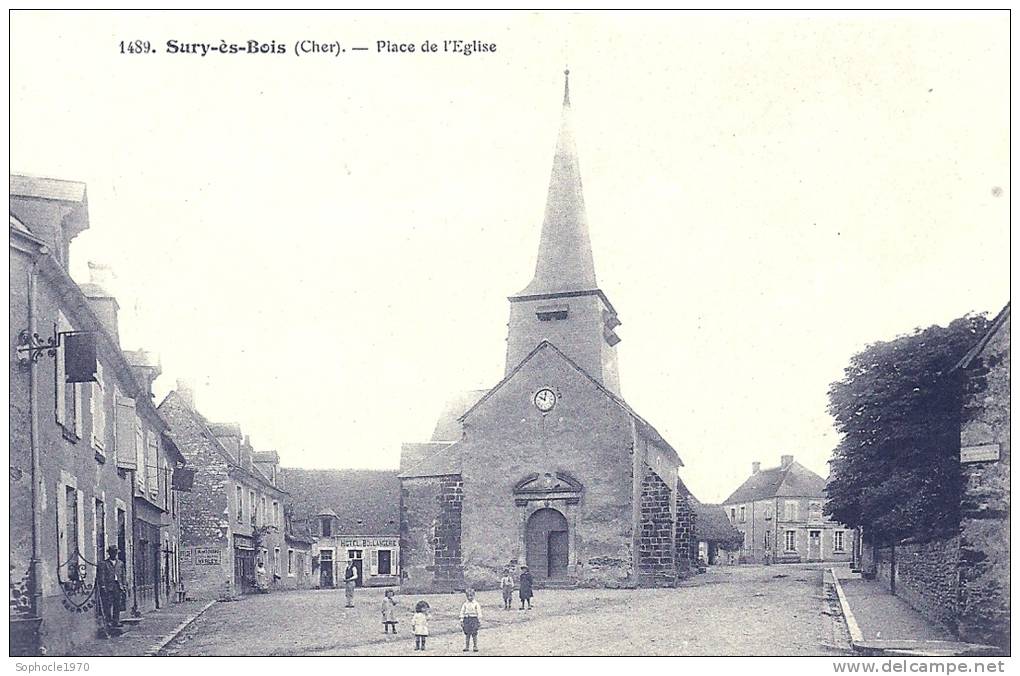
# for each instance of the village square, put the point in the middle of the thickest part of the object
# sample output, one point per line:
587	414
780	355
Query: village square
543	515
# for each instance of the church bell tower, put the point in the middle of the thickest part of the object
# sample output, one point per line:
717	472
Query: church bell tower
563	303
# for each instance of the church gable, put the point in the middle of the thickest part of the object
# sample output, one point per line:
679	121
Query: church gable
546	390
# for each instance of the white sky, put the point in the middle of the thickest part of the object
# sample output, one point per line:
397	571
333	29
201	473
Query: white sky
325	246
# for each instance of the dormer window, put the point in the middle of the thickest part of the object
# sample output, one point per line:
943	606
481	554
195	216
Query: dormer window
549	313
327	527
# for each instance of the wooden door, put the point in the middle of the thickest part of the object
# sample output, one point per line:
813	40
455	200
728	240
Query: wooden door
815	545
558	548
326	570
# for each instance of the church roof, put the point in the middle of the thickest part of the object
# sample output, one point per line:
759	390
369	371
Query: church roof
443	462
366	502
448	427
794	480
565	261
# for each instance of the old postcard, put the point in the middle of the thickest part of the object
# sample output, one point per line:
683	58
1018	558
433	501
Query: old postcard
555	333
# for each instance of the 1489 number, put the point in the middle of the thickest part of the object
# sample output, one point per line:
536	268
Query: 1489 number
135	47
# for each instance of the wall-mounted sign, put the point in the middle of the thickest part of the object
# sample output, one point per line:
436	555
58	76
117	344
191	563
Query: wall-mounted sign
368	542
207	556
982	453
186	555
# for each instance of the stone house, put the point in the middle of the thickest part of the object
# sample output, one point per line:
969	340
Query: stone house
77	408
353	515
778	511
984	509
234	516
298	562
550	467
962	582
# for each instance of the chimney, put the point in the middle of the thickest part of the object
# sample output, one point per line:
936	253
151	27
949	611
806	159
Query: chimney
185	392
100	299
145	366
786	461
755	467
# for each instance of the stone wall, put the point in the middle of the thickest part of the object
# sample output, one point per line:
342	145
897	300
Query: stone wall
430	533
686	542
448	570
924	575
984	510
656	561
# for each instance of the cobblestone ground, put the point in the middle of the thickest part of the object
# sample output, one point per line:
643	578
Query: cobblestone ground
739	610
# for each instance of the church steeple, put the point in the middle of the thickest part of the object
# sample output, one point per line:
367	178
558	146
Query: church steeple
563	303
565	261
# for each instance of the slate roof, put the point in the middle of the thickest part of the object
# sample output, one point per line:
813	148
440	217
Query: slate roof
795	480
367	502
712	525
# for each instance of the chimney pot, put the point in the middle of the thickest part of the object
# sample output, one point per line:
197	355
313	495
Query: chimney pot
787	460
755	467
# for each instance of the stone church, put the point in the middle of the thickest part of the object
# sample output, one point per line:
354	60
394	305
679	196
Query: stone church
550	467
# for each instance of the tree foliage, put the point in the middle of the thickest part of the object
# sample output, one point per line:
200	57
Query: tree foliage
896	470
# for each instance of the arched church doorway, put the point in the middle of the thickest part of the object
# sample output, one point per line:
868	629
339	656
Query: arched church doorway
547	544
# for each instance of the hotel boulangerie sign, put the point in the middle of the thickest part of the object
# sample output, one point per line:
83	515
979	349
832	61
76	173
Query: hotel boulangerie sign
982	453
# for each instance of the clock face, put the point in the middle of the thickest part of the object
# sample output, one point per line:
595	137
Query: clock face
545	399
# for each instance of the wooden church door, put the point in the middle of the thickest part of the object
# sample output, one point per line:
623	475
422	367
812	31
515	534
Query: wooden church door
558	553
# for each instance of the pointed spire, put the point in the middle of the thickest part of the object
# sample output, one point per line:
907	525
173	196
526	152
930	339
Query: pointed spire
565	260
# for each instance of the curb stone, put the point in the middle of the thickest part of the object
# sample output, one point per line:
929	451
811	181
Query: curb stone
158	647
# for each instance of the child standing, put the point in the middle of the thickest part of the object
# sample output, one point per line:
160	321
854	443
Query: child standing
470	619
389	620
507	585
527	583
420	624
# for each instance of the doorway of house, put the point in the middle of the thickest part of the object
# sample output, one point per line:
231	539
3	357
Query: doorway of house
326	569
355	555
547	544
815	545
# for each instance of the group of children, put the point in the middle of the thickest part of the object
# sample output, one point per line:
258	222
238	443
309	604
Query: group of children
470	610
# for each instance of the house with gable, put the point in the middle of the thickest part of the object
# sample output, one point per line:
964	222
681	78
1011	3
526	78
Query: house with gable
778	511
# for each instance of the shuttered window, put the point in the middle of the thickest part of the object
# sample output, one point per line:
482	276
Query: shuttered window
152	465
99	410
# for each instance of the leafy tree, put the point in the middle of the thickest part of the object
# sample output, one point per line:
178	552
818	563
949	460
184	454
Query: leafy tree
896	470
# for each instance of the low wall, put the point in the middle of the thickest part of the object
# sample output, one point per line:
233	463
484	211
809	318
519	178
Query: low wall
924	575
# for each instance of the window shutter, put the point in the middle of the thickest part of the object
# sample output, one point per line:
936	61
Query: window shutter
125	421
76	397
139	456
152	466
98	410
375	562
60	391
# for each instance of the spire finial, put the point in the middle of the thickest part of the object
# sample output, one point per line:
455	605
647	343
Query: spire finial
566	87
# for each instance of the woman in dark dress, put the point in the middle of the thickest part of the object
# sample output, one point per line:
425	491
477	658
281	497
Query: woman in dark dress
526	584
